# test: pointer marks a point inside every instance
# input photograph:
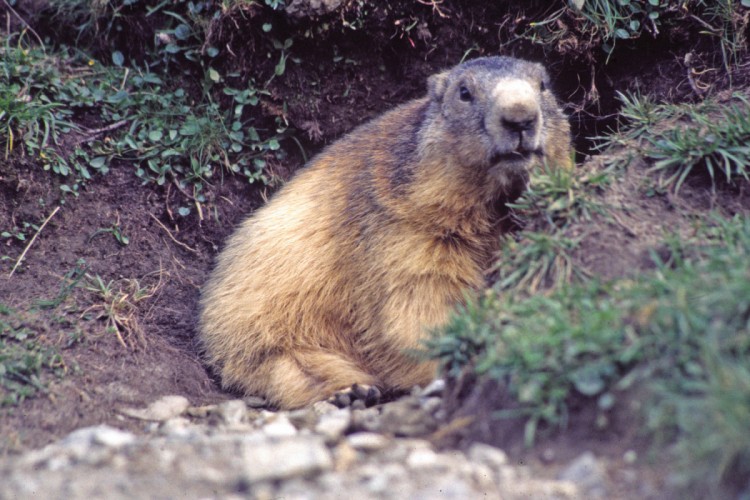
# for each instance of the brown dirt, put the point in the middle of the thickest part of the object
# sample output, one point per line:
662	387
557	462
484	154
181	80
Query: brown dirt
326	97
103	374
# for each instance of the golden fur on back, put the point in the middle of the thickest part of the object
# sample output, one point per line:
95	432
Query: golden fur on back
373	243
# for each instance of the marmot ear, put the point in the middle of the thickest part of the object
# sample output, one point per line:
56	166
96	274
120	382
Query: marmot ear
436	85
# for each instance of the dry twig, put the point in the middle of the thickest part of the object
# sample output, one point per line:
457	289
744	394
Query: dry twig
33	239
171	236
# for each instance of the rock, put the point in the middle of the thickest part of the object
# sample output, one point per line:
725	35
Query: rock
278	425
160	410
99	435
345	456
224	456
492	457
200	411
588	474
304	418
177	427
89	445
421	458
232	412
333	425
284	458
309	8
367	419
323	407
541	489
430	405
367	441
406	417
434	388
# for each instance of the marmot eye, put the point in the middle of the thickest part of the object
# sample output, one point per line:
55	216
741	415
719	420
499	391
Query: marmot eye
464	94
542	86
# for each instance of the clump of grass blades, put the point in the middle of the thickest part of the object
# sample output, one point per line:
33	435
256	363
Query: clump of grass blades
681	332
542	256
24	361
715	140
119	304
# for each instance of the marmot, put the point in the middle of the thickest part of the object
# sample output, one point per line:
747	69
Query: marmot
340	276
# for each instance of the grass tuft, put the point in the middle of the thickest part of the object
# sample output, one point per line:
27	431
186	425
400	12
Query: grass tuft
119	304
682	332
24	360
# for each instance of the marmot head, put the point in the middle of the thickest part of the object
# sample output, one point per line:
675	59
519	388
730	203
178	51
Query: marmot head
493	110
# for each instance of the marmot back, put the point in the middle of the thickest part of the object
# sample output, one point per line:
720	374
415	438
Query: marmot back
344	271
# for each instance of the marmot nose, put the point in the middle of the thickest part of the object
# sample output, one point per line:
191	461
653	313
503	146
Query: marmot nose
521	125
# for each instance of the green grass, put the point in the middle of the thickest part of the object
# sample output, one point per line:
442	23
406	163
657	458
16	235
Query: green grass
77	115
682	332
541	256
118	304
607	24
25	363
679	139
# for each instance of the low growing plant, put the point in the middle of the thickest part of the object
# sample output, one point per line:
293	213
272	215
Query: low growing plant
682	332
25	362
682	138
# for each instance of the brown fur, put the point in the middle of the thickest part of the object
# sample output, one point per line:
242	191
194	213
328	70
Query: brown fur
373	244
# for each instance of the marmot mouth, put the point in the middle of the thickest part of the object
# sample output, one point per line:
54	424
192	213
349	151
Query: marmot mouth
511	157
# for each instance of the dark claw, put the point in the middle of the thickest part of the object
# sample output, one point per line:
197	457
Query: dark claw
357	396
342	399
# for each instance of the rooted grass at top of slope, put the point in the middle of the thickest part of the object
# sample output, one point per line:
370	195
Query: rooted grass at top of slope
77	116
712	136
683	331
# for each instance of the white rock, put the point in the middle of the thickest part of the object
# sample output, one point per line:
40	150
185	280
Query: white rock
323	407
367	441
333	425
279	426
232	412
177	427
286	458
434	388
431	404
495	458
101	434
588	473
160	410
422	457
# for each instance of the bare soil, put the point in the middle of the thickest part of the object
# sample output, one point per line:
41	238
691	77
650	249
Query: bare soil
325	98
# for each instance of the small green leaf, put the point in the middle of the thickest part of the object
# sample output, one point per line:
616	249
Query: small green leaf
117	58
183	211
281	66
267	27
98	162
212	52
189	129
155	135
182	32
214	75
273	145
622	33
